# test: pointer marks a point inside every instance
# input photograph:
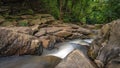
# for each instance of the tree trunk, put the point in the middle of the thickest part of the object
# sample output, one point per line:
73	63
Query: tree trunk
60	9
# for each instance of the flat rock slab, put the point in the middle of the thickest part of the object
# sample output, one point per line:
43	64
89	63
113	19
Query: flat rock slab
76	60
24	30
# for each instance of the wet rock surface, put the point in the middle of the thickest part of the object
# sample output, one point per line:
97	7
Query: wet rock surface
48	36
29	61
114	63
76	59
13	43
41	35
49	60
106	47
42	27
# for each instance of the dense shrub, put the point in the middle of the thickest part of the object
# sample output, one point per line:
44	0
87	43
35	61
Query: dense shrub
87	11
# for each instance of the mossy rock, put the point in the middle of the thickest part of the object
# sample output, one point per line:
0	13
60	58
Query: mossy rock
23	22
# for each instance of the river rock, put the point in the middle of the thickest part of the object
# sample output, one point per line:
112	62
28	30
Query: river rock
114	63
45	43
35	22
83	30
29	61
101	40
24	30
41	32
13	43
51	30
35	29
50	41
76	59
107	45
47	30
89	26
63	34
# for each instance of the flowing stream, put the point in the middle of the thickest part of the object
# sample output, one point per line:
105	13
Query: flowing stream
61	51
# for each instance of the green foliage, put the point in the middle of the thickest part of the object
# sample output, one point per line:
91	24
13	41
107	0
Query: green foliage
52	7
23	24
87	11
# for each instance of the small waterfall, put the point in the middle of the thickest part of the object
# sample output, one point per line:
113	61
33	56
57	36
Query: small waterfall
65	48
51	59
81	42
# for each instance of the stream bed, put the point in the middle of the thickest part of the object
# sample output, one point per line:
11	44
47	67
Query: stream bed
30	61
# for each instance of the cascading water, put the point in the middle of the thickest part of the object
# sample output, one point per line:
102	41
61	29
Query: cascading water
48	60
65	48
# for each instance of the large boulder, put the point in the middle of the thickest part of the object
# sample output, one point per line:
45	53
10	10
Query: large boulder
114	63
100	41
28	61
14	43
76	59
24	30
107	46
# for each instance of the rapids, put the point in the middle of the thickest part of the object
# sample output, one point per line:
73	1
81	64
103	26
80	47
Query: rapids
48	59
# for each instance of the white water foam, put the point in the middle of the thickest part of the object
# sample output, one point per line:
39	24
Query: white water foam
63	51
65	48
88	40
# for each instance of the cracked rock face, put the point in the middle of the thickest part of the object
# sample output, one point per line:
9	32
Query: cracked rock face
13	43
107	46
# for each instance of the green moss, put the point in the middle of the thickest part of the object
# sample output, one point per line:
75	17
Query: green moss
23	23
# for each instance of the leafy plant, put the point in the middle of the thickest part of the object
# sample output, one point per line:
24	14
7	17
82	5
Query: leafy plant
88	11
